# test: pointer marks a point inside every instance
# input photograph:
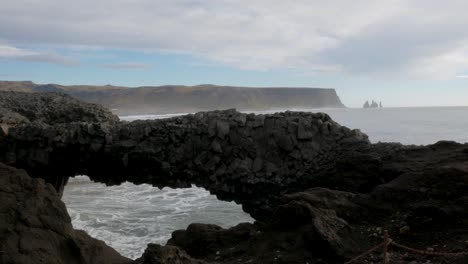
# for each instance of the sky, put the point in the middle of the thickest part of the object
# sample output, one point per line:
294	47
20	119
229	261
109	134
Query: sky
400	52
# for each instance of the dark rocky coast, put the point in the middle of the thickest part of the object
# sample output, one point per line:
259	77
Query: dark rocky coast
320	192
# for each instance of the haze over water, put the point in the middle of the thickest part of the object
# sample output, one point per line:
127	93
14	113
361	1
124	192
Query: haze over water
127	217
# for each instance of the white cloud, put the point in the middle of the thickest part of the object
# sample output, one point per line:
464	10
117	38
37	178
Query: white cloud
416	38
441	66
462	76
126	65
10	52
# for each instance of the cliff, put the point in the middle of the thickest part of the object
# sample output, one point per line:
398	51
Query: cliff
320	192
177	99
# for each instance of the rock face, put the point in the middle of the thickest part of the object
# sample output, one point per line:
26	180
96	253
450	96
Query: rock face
36	228
180	99
321	192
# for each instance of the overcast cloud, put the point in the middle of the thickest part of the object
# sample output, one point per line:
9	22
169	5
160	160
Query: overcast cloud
419	38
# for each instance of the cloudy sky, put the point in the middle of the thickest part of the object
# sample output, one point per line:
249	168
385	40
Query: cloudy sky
402	52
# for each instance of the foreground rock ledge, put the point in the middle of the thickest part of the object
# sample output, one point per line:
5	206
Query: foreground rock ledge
35	226
322	193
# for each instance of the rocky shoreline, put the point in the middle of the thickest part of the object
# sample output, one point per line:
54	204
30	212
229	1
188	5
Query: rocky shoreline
320	192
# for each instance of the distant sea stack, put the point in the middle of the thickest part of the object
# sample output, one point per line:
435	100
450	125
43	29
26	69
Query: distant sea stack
171	98
374	104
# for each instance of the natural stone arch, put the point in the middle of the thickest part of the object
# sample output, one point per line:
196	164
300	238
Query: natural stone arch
247	158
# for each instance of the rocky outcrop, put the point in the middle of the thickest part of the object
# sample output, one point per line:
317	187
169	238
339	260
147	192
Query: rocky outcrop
36	228
49	108
155	253
320	192
246	158
304	228
186	99
320	225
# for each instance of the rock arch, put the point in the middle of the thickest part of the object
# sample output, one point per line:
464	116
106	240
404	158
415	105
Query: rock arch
247	158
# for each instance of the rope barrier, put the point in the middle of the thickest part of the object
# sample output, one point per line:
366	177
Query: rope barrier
429	253
387	242
365	253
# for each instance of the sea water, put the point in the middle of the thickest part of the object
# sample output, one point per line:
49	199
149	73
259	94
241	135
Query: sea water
128	217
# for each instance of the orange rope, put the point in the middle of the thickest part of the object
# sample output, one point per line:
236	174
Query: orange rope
430	253
387	241
365	253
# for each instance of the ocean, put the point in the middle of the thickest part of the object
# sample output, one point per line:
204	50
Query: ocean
128	217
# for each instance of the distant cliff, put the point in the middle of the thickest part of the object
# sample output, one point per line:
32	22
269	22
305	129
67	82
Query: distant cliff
170	99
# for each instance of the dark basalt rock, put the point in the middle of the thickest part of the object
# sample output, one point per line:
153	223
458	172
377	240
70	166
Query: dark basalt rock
327	226
300	231
36	228
307	227
239	157
49	108
166	255
272	165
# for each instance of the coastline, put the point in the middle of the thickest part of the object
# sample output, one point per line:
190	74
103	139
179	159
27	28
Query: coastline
319	191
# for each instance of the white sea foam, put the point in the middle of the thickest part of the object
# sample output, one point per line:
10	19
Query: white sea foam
128	216
149	117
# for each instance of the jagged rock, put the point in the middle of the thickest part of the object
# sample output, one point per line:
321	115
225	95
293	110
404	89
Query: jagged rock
49	108
222	128
156	254
205	240
193	147
318	208
303	132
36	228
267	165
305	227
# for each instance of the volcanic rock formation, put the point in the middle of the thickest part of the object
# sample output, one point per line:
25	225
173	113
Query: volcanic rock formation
320	192
246	158
36	228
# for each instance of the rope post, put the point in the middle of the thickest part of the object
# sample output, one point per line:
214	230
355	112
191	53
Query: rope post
385	247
